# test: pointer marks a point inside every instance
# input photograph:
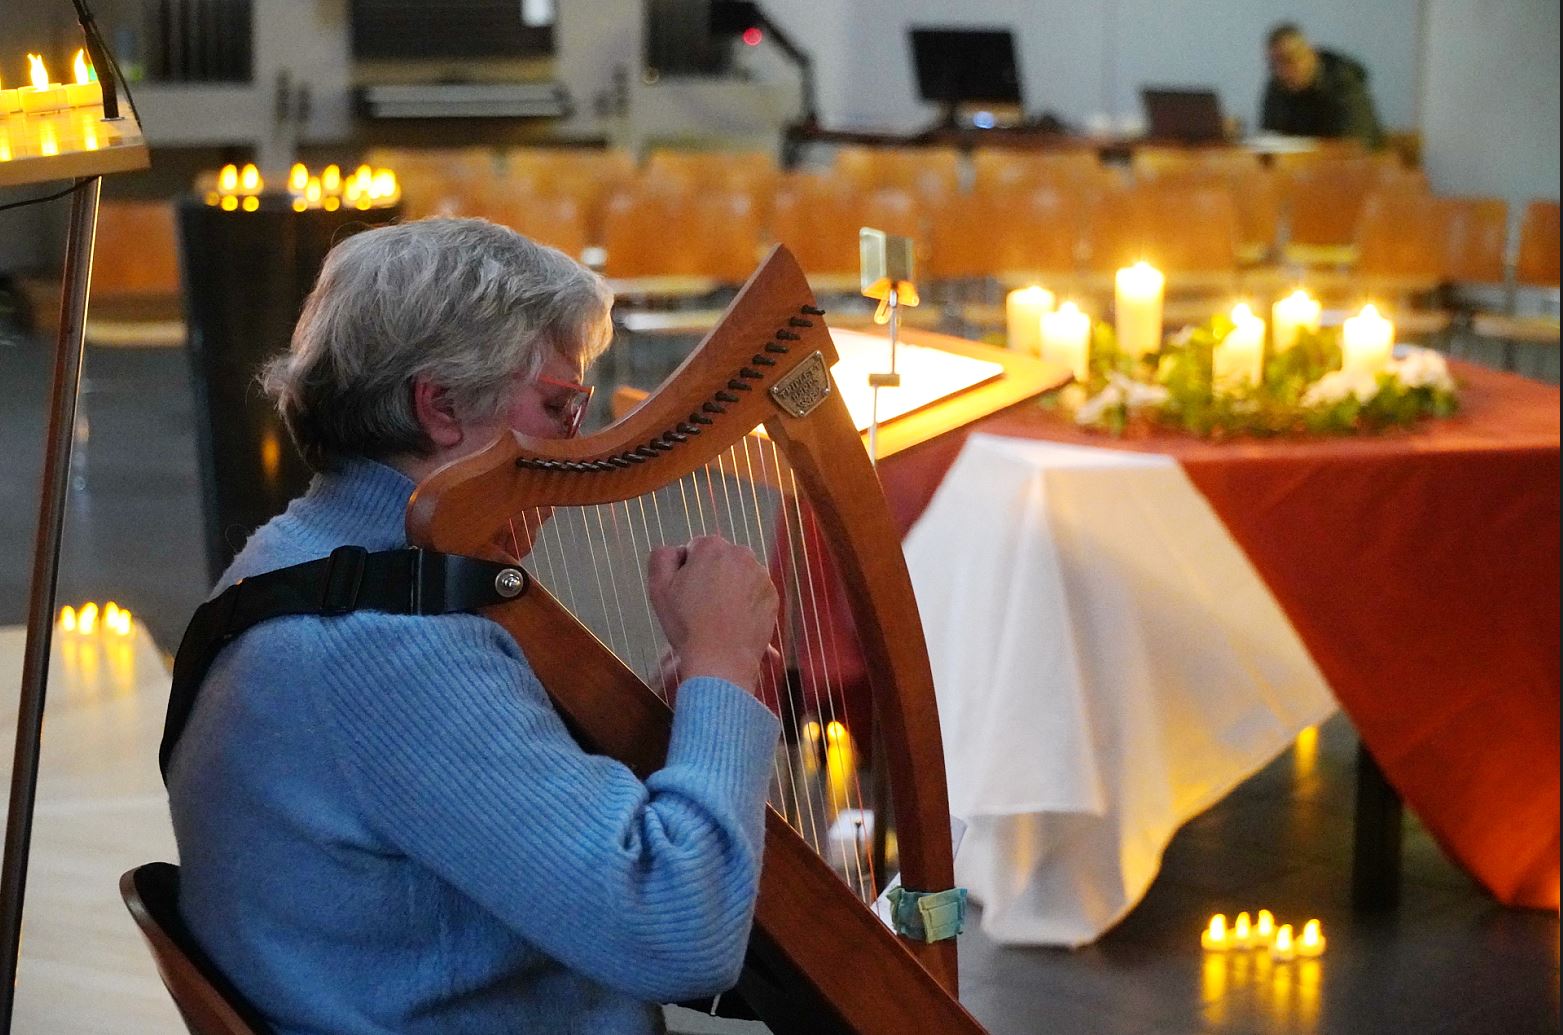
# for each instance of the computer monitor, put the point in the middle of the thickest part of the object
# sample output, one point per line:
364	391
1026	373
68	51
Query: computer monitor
963	68
1188	116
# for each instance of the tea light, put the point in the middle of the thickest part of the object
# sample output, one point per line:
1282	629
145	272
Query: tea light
42	95
1137	308
87	619
10	101
1312	941
1242	932
1264	928
228	179
1238	359
1215	936
1024	310
86	90
1283	948
1066	340
250	181
331	179
1367	341
1292	315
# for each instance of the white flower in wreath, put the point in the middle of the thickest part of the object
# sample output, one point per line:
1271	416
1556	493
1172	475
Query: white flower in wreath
1137	395
1422	368
1093	409
1339	385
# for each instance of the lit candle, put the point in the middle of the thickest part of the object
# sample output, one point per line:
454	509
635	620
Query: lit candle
840	765
1215	936
86	90
1264	928
111	616
1238	360
1137	309
228	179
10	101
87	619
67	619
331	179
1024	309
1292	315
1312	941
1283	948
298	178
250	181
312	192
42	95
1066	340
1242	932
1367	342
810	747
384	185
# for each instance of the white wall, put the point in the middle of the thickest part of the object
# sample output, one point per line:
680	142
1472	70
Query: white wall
1084	58
1490	124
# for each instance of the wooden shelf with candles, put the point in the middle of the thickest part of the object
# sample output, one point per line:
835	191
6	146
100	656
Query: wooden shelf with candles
53	131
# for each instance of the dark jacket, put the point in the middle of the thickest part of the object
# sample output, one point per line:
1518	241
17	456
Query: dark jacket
1336	105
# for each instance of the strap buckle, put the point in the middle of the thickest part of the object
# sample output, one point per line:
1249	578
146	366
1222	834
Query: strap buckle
344	578
928	916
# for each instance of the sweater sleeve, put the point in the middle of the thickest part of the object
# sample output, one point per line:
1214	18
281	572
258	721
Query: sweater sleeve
461	761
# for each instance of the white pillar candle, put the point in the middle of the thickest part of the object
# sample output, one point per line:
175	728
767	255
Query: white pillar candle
85	91
1292	315
1238	360
1367	342
1066	340
1137	309
1023	312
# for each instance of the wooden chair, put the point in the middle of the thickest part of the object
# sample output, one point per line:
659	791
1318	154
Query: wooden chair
1161	162
1401	242
817	216
1537	265
705	235
552	219
1475	239
205	999
1324	204
926	172
997	170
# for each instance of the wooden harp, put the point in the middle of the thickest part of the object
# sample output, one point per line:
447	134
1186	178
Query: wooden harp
820	959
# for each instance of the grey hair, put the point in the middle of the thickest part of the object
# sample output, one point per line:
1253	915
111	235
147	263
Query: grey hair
466	303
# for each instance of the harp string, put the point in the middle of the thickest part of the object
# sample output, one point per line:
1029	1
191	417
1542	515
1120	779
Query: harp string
596	566
851	798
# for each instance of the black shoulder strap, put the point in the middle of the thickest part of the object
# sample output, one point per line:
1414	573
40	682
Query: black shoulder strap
404	582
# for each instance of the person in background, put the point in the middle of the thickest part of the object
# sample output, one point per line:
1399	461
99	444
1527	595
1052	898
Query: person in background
1316	93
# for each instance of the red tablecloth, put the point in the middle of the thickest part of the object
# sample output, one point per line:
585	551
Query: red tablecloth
1420	569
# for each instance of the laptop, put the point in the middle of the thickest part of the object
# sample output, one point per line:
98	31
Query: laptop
1187	116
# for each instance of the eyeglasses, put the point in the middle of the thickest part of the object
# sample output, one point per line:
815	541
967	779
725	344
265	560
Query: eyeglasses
569	410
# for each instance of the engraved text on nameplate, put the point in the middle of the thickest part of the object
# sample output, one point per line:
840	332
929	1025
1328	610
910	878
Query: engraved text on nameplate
804	387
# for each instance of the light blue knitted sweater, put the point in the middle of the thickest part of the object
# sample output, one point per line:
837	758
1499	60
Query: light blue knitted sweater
384	826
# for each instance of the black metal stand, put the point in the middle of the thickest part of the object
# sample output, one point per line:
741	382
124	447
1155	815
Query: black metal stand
46	566
1375	857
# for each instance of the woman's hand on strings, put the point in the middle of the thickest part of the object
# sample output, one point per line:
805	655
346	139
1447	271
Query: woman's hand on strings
717	606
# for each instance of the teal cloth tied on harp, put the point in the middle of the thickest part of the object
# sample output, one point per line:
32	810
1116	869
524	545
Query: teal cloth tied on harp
928	916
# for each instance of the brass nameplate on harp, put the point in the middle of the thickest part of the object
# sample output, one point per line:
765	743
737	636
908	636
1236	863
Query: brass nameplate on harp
803	388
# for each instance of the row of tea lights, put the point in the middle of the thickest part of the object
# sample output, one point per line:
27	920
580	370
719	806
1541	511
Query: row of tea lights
1062	335
234	188
89	620
44	96
1262	934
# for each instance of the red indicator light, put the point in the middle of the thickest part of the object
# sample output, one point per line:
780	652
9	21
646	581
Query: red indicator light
753	36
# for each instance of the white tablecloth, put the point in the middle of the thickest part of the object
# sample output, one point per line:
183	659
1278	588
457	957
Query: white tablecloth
1108	665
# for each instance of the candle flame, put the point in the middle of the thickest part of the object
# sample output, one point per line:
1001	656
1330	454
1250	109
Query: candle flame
80	64
1264	924
384	184
87	619
1310	934
331	179
1283	938
1218	927
298	178
124	622
312	191
228	179
36	71
1370	312
67	619
811	732
1242	313
1241	927
835	732
111	615
250	179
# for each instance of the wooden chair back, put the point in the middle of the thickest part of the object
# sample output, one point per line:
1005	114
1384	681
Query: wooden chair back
1537	265
817	217
1023	234
1324	200
1400	237
552	219
1475	239
929	172
205	999
137	250
651	232
1005	171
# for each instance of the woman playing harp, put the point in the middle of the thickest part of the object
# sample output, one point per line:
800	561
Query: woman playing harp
383	823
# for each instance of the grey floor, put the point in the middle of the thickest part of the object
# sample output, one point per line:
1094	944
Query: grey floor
1447	960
